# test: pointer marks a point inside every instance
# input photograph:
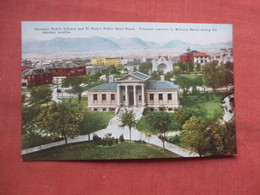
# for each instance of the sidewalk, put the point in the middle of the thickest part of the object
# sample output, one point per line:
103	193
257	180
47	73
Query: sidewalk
114	129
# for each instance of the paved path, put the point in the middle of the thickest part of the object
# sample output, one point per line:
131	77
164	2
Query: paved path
114	129
227	107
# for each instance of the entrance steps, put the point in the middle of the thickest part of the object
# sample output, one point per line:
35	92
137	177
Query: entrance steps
138	111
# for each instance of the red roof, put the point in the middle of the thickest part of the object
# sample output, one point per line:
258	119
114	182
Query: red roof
26	67
166	57
200	54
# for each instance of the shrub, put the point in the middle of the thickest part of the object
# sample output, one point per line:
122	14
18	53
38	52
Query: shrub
110	141
116	141
97	139
121	138
103	142
175	140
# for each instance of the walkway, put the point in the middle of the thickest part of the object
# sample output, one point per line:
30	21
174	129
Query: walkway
227	108
115	131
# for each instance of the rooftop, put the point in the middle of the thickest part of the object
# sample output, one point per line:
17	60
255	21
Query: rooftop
200	54
34	72
105	86
158	85
140	75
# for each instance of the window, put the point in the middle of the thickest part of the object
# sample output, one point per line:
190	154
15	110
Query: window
169	96
151	109
95	96
123	97
160	96
140	98
170	109
104	109
104	97
151	97
95	109
112	96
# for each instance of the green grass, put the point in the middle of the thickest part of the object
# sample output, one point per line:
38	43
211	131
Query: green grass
204	106
91	151
83	102
36	140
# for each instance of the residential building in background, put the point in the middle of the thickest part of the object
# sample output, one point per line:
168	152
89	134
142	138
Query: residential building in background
106	61
36	77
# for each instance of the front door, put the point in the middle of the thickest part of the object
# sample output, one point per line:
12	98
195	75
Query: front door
131	98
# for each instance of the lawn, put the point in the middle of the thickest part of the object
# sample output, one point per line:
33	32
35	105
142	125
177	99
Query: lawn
205	105
83	102
91	151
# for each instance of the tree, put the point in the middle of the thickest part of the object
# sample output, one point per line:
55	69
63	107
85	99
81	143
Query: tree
156	75
75	83
195	135
176	70
92	121
198	67
184	82
190	66
228	72
195	82
213	75
224	137
127	118
158	123
60	120
182	115
145	67
183	66
29	118
169	76
40	95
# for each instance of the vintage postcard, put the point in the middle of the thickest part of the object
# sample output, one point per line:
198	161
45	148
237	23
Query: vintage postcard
125	90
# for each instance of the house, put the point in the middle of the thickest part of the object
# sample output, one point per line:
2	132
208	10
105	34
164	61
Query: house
162	63
195	57
201	58
106	61
26	68
134	90
67	70
36	77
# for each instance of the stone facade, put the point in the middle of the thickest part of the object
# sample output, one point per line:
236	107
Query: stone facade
134	90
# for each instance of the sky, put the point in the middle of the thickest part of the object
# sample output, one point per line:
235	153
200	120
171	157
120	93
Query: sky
155	32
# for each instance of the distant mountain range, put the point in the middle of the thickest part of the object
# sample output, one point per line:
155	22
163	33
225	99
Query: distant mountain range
94	44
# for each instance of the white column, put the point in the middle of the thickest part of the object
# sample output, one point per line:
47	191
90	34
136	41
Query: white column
118	95
134	95
143	99
126	96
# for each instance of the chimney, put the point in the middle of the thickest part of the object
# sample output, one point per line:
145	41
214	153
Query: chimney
162	78
111	79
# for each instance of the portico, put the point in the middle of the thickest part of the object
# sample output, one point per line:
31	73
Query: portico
129	94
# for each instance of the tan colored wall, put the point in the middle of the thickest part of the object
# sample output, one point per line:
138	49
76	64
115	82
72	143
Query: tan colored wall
99	103
107	104
160	103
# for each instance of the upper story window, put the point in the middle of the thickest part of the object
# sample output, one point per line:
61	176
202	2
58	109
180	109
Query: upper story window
95	97
104	97
151	97
169	96
112	96
160	96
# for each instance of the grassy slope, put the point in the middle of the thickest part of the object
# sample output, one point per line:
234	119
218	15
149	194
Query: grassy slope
91	151
202	107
